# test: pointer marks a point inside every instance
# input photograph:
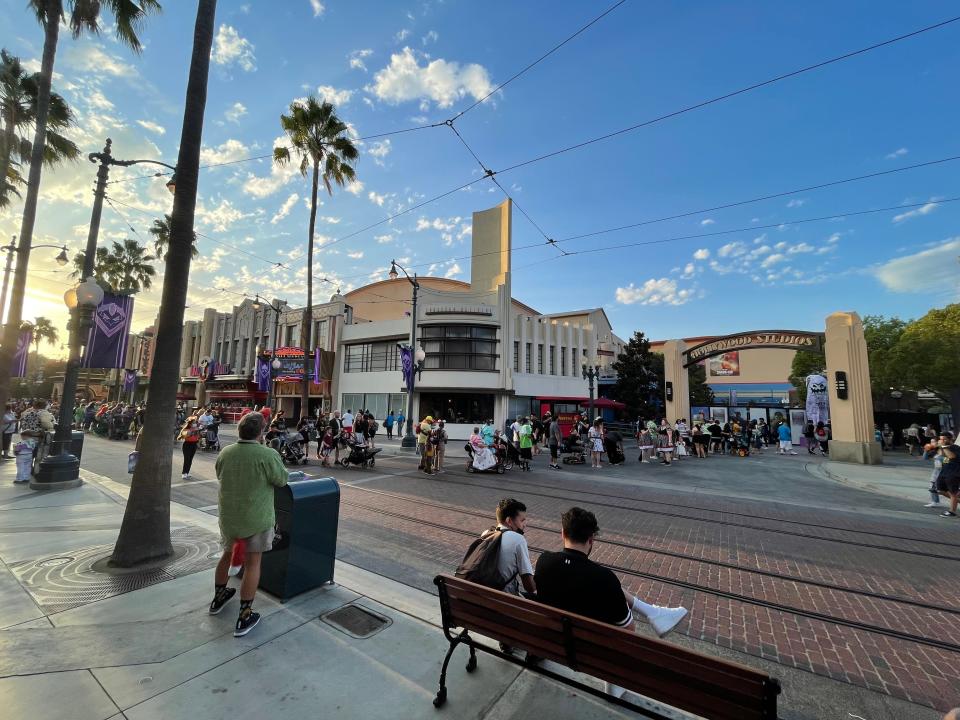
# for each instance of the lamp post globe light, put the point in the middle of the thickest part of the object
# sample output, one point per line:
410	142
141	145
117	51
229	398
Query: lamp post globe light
61	469
409	440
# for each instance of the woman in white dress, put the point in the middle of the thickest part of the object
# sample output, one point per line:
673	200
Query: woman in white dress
595	439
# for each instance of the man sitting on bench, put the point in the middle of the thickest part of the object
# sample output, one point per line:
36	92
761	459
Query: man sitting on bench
569	580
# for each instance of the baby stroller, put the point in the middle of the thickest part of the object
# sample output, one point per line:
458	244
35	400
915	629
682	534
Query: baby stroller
572	451
119	427
101	426
360	454
739	446
499	466
289	449
210	437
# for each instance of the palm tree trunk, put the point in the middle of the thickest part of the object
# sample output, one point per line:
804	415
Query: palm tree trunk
9	137
51	35
145	532
308	310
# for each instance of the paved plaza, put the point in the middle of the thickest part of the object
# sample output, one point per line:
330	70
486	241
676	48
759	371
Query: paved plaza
799	567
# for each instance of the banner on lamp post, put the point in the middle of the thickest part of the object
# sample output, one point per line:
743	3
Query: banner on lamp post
263	375
406	363
129	380
23	351
107	343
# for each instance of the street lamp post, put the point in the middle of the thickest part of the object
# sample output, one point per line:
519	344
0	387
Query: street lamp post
10	249
61	469
590	373
409	441
274	363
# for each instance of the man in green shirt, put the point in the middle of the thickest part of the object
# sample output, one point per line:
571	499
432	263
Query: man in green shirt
247	472
526	443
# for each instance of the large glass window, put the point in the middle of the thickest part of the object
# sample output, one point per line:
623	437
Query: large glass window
563	360
553	360
529	357
472	409
459	347
378	403
540	358
516	356
371	357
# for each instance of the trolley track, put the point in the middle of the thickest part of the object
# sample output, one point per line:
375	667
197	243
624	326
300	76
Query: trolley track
684	556
512	486
737	597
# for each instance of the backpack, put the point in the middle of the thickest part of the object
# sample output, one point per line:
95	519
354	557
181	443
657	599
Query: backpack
373	427
480	561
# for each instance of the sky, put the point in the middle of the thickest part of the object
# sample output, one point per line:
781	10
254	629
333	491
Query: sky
389	66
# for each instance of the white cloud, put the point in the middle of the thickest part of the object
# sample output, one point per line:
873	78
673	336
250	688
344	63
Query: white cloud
355	188
329	219
318	7
152	126
285	208
701	254
430	37
355	255
900	152
229	49
227	151
401	35
923	272
925	210
444	82
383	239
437	224
221	217
800	248
662	291
98	100
797	202
834	238
453	271
211	262
261	187
688	270
379	150
235	112
376	199
356	59
332	95
773	259
733	249
707	221
95	58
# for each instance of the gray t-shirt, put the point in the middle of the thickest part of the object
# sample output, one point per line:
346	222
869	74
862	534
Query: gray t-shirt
514	559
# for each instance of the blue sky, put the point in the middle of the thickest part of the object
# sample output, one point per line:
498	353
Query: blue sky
390	65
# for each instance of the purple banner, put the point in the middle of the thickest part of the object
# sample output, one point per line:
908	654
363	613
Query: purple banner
129	380
23	350
406	362
263	375
107	342
316	365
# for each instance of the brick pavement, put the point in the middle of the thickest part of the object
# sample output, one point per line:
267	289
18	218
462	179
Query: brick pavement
894	666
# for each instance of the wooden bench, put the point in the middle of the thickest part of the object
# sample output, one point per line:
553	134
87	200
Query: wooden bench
669	674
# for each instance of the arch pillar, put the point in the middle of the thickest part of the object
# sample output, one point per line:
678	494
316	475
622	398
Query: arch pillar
851	417
676	381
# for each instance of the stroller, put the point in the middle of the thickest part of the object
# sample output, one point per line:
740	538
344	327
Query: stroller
290	449
360	454
499	467
119	427
739	446
614	453
101	426
573	450
210	437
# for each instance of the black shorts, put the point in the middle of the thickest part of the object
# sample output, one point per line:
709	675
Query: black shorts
526	453
948	484
554	452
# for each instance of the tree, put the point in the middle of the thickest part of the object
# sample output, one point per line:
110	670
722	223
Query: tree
639	378
145	531
18	111
318	138
700	392
161	239
84	16
926	354
124	269
43	331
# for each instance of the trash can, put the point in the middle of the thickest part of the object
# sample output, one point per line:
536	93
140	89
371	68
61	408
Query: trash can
76	444
305	546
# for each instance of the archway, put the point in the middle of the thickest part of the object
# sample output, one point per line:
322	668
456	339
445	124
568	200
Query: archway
848	376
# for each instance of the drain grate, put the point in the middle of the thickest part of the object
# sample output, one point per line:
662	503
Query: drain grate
356	621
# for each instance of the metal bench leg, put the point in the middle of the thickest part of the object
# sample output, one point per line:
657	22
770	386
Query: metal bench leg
472	662
441	697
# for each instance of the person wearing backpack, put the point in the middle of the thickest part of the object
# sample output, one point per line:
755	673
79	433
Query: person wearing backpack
500	558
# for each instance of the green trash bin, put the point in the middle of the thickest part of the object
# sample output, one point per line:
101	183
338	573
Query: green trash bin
305	547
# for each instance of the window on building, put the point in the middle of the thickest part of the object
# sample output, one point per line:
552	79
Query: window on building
563	360
459	347
553	360
472	409
540	358
371	357
516	356
320	334
529	358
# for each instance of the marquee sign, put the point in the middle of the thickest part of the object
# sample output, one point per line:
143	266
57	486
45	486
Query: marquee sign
788	339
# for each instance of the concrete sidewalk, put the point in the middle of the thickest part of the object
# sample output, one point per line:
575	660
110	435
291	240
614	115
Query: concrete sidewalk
80	643
899	476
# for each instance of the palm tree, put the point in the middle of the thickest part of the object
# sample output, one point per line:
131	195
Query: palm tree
84	16
161	239
124	268
18	109
318	138
43	331
145	532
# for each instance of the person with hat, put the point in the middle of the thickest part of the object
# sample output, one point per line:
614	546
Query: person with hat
423	436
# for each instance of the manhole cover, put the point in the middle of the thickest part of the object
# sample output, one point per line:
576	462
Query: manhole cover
356	621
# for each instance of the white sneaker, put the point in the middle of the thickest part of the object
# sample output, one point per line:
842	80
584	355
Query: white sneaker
186	476
665	619
793	452
932	504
